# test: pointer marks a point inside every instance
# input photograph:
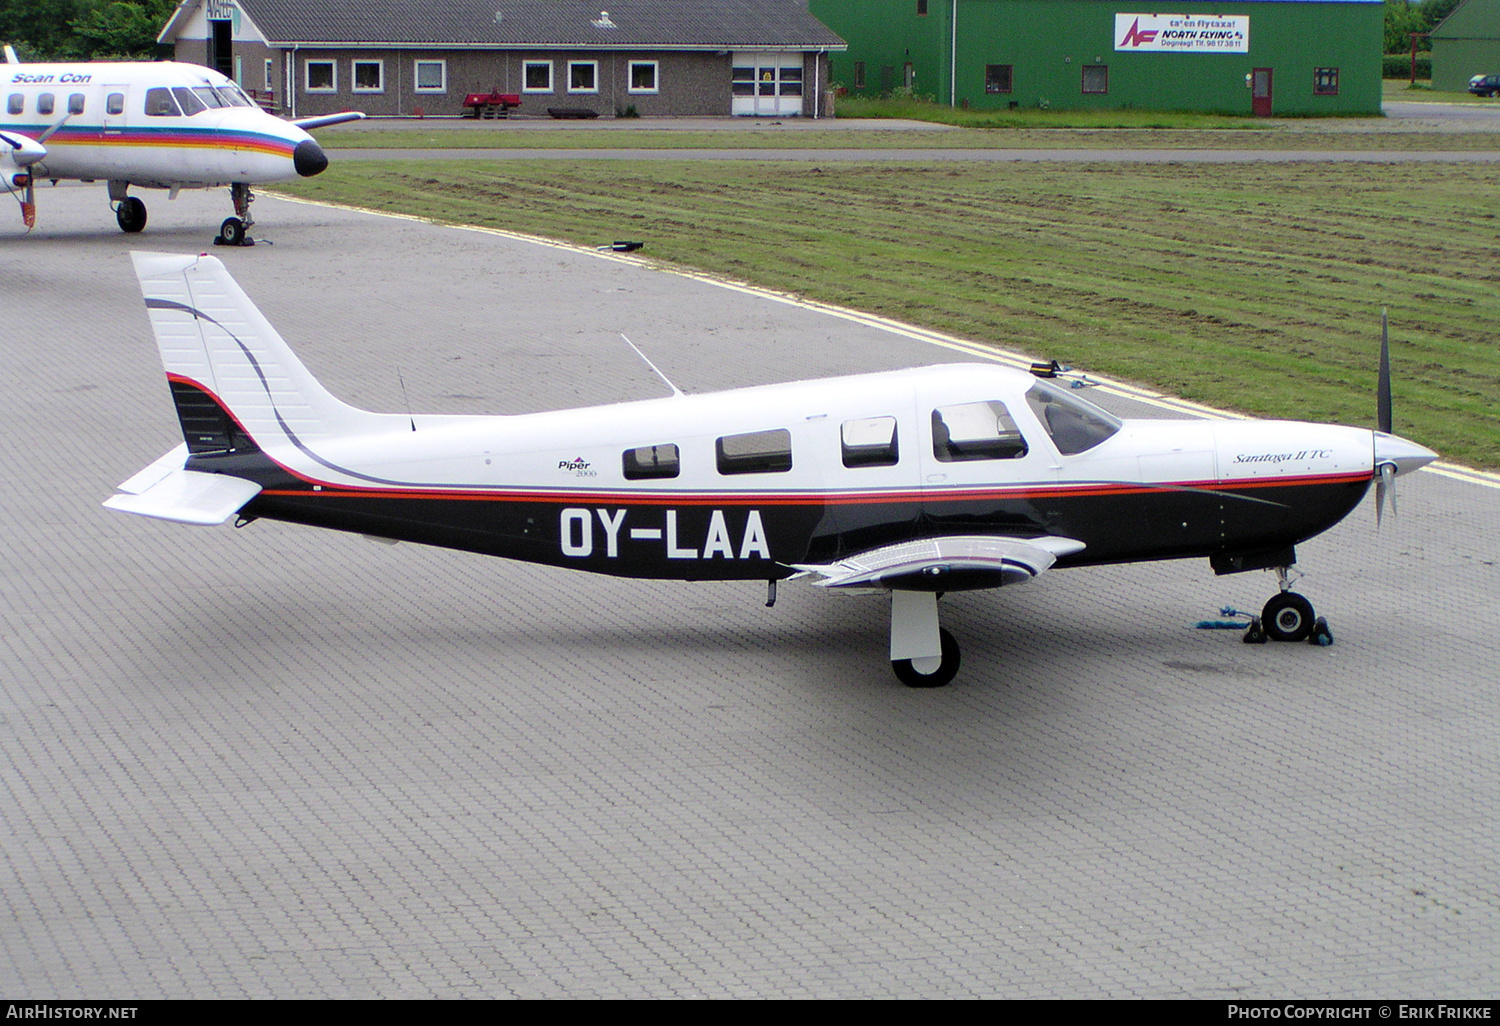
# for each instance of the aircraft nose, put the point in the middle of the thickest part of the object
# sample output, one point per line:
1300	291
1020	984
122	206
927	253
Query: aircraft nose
309	159
1403	455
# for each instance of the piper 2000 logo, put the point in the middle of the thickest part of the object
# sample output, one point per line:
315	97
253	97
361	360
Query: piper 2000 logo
581	536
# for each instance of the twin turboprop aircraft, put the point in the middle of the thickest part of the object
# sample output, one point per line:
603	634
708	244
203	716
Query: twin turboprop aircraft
148	125
912	483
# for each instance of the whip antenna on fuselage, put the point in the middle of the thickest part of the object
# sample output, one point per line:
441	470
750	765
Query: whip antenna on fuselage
654	368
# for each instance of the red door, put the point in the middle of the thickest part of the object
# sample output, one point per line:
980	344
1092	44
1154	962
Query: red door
1260	92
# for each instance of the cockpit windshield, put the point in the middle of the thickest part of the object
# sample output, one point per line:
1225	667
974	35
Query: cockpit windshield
1075	425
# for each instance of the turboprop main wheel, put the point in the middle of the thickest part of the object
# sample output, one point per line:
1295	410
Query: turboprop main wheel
1288	617
930	673
131	213
231	232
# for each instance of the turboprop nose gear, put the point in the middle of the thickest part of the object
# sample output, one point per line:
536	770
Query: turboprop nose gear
235	231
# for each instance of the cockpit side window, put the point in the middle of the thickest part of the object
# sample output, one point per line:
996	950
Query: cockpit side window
159	103
1075	425
210	96
976	431
189	100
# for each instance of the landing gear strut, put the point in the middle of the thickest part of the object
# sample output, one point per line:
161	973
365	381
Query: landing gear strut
923	655
235	231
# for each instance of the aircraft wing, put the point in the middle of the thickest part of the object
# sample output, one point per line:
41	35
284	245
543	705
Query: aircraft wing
308	124
166	491
950	563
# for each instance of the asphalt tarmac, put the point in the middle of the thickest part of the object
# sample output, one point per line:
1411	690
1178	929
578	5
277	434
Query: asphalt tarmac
279	762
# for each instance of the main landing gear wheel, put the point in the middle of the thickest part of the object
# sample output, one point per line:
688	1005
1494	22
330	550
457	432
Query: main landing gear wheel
232	233
131	213
933	672
1288	617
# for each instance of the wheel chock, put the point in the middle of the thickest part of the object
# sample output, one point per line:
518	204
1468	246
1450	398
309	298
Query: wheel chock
1255	634
1321	635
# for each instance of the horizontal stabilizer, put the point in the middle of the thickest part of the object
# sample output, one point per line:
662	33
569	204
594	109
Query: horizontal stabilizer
139	482
955	563
187	497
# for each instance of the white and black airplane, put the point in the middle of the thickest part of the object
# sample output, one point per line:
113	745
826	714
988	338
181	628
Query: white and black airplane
912	483
149	125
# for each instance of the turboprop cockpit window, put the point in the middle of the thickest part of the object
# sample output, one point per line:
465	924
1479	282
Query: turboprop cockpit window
189	100
650	461
976	431
758	452
1075	425
870	442
210	96
159	104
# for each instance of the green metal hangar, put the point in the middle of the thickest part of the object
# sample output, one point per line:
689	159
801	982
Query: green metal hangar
1299	57
401	57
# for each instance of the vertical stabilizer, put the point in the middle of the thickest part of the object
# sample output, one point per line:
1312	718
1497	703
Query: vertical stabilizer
213	340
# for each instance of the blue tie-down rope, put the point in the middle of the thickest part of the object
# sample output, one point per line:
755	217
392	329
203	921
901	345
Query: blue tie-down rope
1226	625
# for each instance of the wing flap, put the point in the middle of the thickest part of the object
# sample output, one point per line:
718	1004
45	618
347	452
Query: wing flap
186	497
952	563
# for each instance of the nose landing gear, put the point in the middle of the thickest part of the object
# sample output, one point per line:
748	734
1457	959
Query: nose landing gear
235	231
1288	616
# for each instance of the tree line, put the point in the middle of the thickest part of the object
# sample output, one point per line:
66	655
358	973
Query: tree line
80	30
1403	17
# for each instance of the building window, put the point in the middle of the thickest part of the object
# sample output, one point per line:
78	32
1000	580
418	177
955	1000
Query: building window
270	85
536	77
583	76
322	77
1326	81
369	76
431	76
1096	78
643	76
921	8
997	78
859	74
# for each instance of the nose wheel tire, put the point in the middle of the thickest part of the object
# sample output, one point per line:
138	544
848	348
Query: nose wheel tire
232	232
930	673
1288	617
131	214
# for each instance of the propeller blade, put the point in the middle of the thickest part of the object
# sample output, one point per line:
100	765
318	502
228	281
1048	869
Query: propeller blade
1383	385
1385	487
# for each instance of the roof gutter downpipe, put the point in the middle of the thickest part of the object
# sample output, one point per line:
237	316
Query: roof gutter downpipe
953	55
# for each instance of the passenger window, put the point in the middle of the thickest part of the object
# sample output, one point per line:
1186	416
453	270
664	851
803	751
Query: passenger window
159	104
870	442
45	103
1075	425
758	452
975	431
652	461
114	103
75	103
15	103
